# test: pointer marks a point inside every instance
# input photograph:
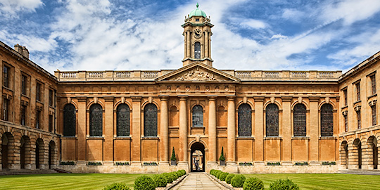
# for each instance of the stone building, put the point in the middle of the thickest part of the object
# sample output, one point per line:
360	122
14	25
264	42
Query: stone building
129	121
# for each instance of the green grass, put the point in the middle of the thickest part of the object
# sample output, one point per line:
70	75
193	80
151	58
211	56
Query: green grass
64	181
324	181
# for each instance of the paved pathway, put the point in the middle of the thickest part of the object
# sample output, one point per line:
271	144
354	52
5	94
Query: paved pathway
198	181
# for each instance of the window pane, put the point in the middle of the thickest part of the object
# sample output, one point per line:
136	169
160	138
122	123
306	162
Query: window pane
123	120
6	76
197	116
359	119
69	120
150	120
373	115
272	120
327	125
245	120
96	120
299	120
197	50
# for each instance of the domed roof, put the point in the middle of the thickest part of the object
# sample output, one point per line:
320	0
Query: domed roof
197	12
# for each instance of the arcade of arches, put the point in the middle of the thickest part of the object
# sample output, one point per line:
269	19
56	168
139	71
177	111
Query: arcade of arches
255	116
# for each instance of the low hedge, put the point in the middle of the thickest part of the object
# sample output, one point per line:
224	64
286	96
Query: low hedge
253	183
229	178
160	180
223	176
238	180
144	183
117	186
283	184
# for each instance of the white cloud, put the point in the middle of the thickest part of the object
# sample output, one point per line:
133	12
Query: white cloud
350	10
13	6
293	14
252	23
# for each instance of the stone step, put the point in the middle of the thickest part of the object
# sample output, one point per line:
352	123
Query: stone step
360	172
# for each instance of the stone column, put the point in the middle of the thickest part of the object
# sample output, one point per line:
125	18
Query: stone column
212	130
259	130
136	131
81	128
231	131
183	130
185	46
188	55
108	130
164	131
287	131
206	44
314	131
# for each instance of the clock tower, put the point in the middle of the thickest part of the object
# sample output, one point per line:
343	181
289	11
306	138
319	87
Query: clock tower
197	34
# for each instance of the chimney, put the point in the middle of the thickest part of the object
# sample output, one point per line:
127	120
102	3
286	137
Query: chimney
22	50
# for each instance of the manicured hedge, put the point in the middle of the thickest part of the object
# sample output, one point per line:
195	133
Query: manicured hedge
144	183
253	183
229	178
283	184
160	180
238	180
223	176
117	186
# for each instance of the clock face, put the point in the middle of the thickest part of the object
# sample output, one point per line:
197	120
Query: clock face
197	33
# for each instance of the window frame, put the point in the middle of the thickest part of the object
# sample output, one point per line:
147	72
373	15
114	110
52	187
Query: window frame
299	112
275	117
244	121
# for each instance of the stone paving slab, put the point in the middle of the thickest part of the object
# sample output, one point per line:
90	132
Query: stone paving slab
198	181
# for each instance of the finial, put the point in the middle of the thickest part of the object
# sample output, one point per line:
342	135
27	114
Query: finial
197	5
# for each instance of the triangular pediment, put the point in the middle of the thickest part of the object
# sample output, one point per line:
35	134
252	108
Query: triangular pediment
198	72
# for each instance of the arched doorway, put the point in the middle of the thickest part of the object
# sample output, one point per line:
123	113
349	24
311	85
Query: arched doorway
4	151
344	153
22	153
197	157
51	153
39	153
372	144
358	147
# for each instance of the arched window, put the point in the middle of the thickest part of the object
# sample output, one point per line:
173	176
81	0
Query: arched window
150	120
272	120
244	120
197	50
327	120
69	120
197	116
96	120
123	120
299	120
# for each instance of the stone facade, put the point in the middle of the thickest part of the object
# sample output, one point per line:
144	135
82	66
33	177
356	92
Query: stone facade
129	121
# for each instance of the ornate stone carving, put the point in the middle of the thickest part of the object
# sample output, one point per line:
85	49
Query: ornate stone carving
198	74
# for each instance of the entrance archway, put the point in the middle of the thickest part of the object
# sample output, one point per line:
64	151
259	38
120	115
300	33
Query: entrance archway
4	151
358	147
197	157
372	144
51	153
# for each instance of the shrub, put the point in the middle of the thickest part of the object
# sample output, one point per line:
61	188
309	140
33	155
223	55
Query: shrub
328	163
179	173
238	180
212	171
229	178
183	172
223	176
283	184
67	163
150	164
301	163
217	173
245	164
253	183
273	163
144	183
117	186
173	176
168	177
222	158
94	163
160	180
172	158
122	163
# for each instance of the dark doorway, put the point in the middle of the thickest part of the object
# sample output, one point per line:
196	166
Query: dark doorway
346	154
51	153
375	156
4	152
22	155
197	157
360	155
37	156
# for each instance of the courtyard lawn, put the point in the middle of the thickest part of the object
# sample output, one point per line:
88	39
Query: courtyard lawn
324	181
65	181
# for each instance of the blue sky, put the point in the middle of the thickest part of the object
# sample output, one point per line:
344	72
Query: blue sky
147	35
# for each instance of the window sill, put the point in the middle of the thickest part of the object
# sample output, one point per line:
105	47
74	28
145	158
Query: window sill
122	138
272	138
202	127
327	138
245	138
95	138
150	138
357	102
300	138
374	95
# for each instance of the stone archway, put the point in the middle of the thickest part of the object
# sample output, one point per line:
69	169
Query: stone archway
358	153
7	148
25	152
197	157
39	154
344	154
372	153
51	160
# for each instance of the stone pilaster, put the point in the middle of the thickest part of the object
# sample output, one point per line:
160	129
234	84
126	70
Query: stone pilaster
367	156
352	157
259	130
286	130
314	131
231	134
206	45
183	130
136	130
108	129
164	131
212	130
81	129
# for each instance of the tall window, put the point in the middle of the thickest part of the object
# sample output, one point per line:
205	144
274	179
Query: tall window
123	120
38	119
357	91
359	117
373	84
197	116
345	97
327	124
96	120
373	108
6	76
272	120
23	114
244	120
299	120
345	123
51	123
5	109
150	120
51	97
69	120
197	50
38	91
24	80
